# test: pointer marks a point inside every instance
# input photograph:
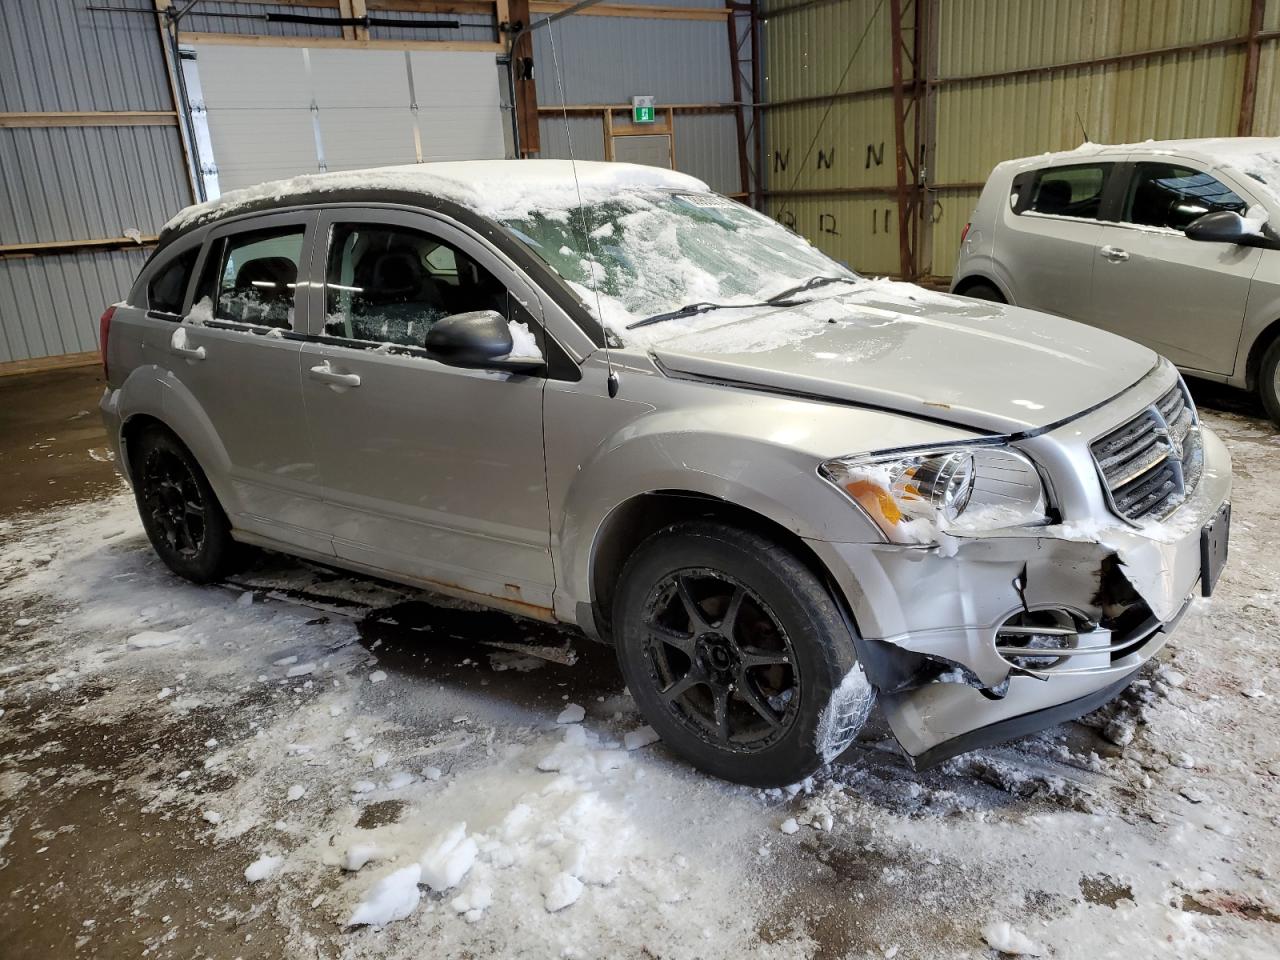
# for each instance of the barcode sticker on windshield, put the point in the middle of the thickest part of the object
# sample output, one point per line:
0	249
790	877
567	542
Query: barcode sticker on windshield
705	199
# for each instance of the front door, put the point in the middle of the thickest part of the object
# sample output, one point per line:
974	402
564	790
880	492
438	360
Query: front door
1183	298
432	472
235	366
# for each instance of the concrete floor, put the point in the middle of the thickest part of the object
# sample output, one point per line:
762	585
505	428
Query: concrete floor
52	446
104	852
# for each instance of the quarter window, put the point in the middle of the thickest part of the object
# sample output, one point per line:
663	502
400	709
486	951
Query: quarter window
251	277
1070	191
168	288
1166	195
386	284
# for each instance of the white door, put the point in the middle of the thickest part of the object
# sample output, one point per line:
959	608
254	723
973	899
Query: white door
1183	298
275	112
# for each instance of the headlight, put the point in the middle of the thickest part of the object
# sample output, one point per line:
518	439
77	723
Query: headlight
914	497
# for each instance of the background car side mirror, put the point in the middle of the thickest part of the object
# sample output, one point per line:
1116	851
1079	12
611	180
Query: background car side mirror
479	338
1224	226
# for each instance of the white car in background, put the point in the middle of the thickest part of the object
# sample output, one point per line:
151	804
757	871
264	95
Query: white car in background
1170	243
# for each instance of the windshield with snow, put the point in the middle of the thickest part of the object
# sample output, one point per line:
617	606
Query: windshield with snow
656	252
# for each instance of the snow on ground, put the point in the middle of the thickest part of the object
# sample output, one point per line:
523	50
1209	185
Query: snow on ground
420	790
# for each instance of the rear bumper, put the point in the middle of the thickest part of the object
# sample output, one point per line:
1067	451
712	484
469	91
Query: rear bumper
109	407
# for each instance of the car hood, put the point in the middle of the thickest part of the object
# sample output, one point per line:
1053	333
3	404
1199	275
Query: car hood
900	347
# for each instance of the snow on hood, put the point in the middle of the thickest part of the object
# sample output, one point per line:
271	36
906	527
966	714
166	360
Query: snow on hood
499	189
894	345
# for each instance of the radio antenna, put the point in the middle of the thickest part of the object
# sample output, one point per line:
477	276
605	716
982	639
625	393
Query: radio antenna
612	377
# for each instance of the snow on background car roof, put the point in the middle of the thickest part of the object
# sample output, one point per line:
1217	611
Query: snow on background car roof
1255	158
500	189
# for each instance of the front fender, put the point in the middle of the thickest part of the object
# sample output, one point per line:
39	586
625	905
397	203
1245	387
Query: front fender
756	450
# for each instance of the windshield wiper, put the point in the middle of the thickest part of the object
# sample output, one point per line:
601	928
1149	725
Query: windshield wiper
781	299
692	309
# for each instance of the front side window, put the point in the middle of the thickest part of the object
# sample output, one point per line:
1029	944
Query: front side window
168	288
387	284
254	276
1172	196
1070	191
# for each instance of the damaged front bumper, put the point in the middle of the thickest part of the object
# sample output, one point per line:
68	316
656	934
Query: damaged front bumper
989	637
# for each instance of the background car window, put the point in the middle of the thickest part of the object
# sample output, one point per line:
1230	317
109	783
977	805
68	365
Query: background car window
389	284
252	276
1164	195
1070	191
167	289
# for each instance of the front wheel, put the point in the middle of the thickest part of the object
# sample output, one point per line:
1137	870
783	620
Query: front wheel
1269	381
737	655
183	519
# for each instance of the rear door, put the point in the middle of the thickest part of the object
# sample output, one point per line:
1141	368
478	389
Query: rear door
431	472
1050	230
234	359
1183	298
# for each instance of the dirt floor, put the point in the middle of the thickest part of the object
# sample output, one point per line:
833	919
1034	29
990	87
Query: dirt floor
237	771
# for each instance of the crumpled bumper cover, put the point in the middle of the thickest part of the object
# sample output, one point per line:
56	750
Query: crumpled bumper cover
947	604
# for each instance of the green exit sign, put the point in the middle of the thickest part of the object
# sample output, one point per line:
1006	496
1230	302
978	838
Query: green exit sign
642	110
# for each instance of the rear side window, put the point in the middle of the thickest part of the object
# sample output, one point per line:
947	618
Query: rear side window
168	288
251	277
1167	195
1070	191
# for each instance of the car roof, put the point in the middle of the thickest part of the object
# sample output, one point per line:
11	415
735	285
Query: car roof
491	188
1216	151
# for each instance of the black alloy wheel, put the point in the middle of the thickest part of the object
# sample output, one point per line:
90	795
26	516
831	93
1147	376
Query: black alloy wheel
721	660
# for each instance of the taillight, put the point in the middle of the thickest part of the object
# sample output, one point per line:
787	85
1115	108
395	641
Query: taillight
104	330
965	232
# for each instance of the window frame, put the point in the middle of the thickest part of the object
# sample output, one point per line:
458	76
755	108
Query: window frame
1114	175
254	223
560	365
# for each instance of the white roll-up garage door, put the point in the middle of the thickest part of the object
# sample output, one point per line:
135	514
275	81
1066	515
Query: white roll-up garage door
276	112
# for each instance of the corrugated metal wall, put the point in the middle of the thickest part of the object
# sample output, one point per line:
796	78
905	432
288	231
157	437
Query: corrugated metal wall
608	60
984	118
63	183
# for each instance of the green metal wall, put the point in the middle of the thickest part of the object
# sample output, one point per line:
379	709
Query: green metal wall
988	117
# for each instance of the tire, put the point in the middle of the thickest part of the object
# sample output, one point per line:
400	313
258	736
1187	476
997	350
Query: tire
1269	381
765	702
984	291
185	523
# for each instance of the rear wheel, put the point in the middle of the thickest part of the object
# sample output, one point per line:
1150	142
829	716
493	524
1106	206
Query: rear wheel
182	517
737	655
984	291
1269	381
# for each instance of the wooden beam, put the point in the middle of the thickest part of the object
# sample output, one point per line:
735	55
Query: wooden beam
345	10
396	6
1249	89
71	246
637	10
314	43
65	361
526	88
101	118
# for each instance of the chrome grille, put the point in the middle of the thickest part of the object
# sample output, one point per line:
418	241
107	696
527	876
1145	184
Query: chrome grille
1150	463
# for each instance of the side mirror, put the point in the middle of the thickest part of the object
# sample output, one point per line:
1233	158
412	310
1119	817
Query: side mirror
1223	226
480	338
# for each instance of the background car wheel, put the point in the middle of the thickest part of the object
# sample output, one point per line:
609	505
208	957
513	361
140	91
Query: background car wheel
182	517
984	291
1269	381
737	655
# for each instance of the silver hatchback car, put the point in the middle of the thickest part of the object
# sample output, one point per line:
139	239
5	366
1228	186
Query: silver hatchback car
607	397
1171	243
